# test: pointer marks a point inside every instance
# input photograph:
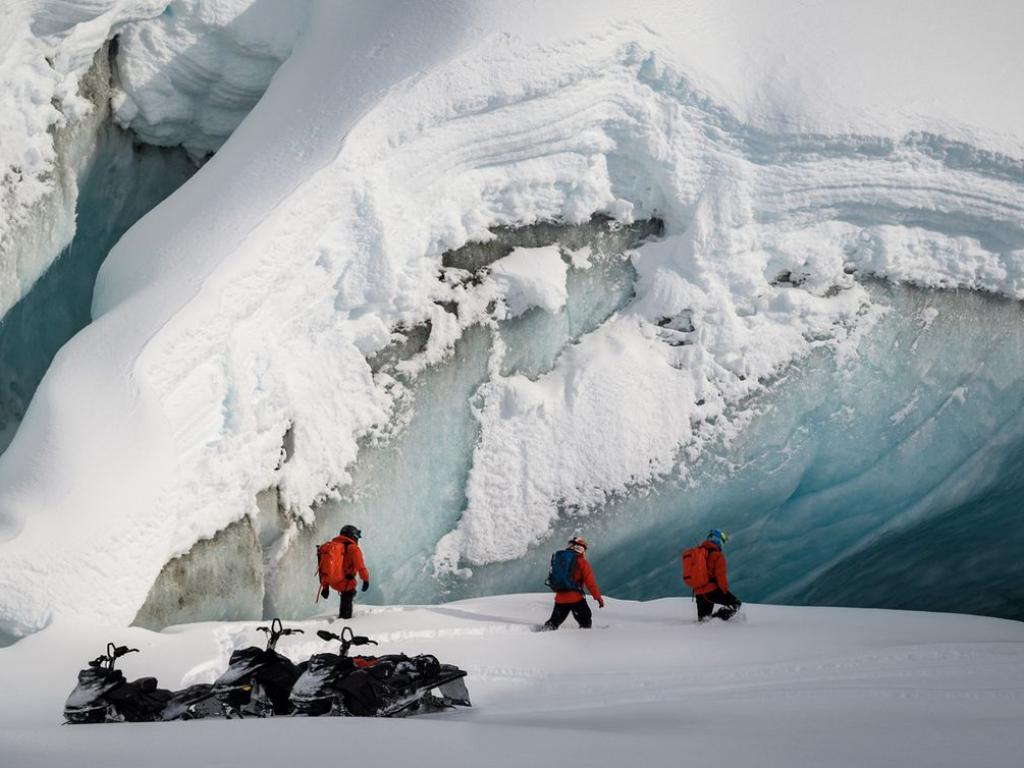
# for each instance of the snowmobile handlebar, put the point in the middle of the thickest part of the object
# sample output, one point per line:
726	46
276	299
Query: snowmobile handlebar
113	653
347	638
277	630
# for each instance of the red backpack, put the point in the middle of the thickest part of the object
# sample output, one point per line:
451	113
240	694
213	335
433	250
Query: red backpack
330	563
695	567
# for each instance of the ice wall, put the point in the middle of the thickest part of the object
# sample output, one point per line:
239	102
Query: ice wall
414	480
861	478
890	457
885	477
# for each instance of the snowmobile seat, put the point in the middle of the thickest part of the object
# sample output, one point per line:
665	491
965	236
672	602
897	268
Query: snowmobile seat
146	684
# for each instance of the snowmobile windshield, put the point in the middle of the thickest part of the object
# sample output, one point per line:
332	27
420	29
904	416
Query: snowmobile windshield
92	684
313	684
242	666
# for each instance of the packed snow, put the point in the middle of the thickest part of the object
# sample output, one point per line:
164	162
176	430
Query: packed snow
531	277
647	685
791	150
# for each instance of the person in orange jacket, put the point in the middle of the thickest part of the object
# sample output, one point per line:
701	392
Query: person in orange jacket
574	600
353	564
717	588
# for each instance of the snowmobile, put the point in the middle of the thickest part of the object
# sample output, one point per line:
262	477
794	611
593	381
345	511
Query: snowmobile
193	703
398	686
316	691
258	680
103	694
368	686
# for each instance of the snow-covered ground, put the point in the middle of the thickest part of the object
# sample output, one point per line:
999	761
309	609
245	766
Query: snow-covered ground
647	687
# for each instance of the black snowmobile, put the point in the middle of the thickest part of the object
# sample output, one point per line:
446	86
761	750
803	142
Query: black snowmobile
316	692
369	686
193	703
103	694
258	680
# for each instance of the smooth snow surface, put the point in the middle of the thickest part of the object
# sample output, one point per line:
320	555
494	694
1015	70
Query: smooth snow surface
646	686
792	150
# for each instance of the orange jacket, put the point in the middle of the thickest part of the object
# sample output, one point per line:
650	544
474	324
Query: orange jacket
717	570
583	574
353	564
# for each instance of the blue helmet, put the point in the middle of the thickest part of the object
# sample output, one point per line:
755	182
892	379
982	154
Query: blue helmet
717	537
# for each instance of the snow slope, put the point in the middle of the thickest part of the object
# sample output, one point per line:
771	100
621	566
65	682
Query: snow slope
788	148
789	686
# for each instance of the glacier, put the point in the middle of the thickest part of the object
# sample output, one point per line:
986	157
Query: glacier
475	279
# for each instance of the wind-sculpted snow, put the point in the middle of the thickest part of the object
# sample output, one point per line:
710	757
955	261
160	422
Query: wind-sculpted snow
238	326
189	76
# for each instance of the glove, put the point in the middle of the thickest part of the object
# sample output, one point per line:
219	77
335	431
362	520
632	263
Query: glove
325	592
366	585
600	602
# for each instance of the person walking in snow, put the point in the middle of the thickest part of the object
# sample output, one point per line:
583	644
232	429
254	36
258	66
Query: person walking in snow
706	573
338	562
569	574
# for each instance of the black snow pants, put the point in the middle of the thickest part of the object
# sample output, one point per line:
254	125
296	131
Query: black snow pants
580	611
706	604
345	609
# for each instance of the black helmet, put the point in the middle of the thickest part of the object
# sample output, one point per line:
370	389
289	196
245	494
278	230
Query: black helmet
352	532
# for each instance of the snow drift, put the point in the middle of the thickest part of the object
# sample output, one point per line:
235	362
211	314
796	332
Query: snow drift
231	358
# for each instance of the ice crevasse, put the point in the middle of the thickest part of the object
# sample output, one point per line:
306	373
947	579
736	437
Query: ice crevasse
277	320
192	68
81	85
